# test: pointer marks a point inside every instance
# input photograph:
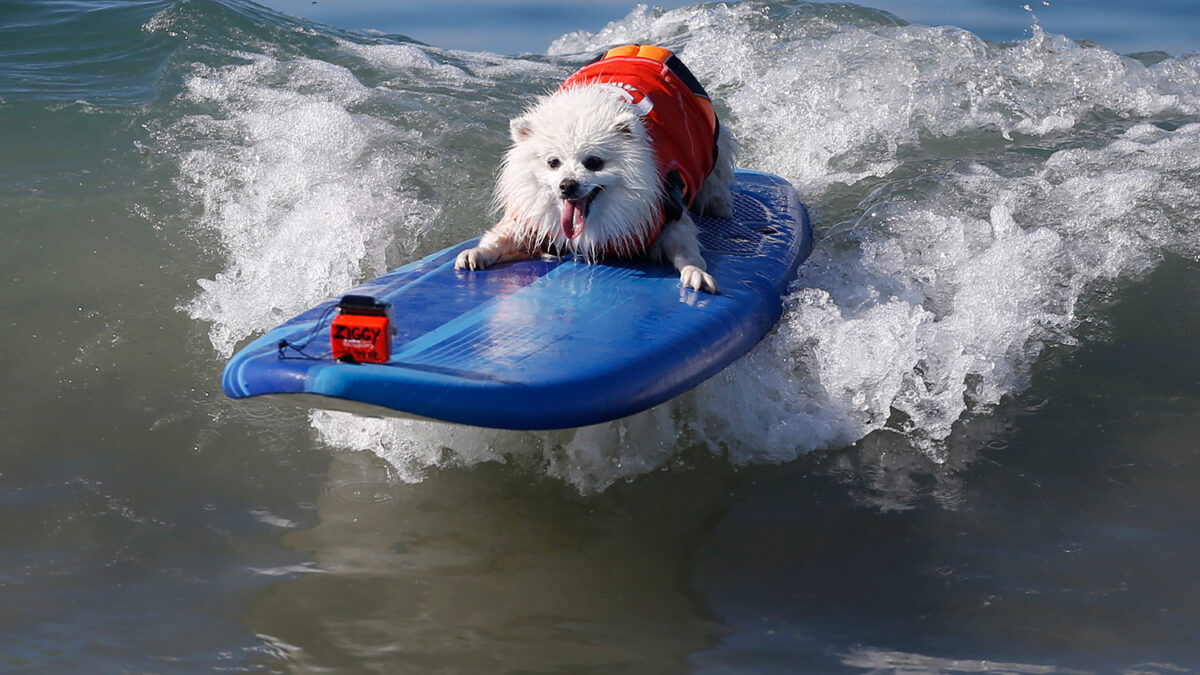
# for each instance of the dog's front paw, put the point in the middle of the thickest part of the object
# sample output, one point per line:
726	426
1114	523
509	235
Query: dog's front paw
472	259
694	277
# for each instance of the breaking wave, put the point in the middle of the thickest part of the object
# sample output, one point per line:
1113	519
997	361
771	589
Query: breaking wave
973	201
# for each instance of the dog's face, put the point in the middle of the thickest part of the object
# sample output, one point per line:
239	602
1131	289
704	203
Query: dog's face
581	171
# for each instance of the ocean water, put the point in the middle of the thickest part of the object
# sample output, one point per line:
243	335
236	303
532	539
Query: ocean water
969	445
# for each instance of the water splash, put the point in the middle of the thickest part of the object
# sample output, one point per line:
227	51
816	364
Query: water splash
302	192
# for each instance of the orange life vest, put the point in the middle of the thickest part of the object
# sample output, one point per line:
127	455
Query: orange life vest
675	110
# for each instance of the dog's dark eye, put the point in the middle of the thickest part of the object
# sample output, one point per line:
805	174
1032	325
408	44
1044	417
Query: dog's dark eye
553	163
593	163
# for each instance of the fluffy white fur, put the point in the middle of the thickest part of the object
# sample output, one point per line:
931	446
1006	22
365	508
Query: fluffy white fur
584	151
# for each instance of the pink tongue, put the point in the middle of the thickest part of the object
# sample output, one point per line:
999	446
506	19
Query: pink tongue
572	217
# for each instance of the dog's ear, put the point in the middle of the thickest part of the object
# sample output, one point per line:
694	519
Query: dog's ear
520	129
626	123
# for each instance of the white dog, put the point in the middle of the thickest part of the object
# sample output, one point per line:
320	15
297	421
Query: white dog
610	164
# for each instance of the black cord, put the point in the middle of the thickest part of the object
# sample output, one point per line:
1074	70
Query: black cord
298	347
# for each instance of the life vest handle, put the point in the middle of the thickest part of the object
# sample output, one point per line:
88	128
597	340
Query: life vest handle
675	65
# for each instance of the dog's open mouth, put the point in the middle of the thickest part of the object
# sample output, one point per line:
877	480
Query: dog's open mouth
575	212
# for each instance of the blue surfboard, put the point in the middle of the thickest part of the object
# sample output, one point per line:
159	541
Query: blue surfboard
546	343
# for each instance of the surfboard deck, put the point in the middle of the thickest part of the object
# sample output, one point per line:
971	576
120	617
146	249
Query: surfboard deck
547	343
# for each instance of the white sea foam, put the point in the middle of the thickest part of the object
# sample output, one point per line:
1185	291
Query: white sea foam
969	199
304	194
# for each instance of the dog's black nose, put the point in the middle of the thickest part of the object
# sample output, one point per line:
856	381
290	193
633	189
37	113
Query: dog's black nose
568	188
